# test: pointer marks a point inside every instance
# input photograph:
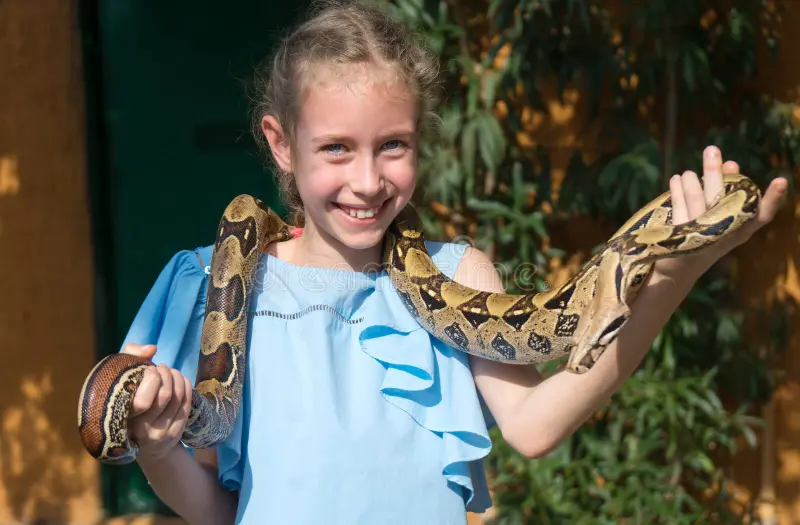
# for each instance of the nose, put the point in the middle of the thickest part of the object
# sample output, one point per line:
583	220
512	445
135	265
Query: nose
366	177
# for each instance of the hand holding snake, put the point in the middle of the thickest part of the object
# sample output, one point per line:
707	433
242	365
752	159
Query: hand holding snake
160	407
692	196
580	318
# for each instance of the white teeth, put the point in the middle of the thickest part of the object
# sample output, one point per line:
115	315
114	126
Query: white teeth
361	213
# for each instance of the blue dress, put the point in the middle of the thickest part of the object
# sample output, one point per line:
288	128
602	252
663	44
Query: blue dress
352	413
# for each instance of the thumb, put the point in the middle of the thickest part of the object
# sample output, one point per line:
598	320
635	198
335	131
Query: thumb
147	351
772	202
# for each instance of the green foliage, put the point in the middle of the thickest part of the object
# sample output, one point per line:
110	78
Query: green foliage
659	81
662	442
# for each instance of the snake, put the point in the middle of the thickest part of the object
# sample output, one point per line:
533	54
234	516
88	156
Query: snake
578	319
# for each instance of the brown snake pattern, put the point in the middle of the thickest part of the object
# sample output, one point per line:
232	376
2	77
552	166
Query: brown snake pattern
580	318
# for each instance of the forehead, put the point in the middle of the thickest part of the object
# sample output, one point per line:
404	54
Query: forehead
356	96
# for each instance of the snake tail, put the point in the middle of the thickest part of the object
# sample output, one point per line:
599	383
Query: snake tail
105	401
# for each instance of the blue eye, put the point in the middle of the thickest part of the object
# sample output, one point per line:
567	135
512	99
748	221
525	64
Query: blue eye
393	144
334	148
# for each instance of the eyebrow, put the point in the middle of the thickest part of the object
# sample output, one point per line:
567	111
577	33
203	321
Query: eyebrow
325	139
405	133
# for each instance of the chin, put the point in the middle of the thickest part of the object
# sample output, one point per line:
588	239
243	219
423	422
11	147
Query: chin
360	241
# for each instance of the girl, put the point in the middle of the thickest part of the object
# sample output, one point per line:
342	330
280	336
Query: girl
352	413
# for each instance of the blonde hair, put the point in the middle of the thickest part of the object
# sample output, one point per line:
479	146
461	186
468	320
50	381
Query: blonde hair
338	34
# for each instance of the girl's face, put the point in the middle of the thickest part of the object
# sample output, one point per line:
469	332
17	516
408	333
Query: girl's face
355	156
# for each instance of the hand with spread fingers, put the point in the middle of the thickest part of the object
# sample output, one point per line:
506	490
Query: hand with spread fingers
691	197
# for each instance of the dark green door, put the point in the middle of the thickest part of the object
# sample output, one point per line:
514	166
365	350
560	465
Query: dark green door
169	146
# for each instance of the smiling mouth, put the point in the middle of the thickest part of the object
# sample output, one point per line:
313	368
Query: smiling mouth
360	212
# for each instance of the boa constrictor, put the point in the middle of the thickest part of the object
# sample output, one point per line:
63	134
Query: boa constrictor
580	318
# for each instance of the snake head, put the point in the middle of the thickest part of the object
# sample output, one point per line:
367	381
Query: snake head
606	314
588	350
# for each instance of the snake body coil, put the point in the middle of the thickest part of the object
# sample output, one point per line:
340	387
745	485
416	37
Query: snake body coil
580	318
107	394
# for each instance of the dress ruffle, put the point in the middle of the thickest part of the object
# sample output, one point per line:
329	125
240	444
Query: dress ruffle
425	378
419	369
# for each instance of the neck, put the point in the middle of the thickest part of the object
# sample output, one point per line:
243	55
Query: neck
318	249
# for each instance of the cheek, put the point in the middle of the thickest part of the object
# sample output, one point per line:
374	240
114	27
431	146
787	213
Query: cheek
402	174
317	181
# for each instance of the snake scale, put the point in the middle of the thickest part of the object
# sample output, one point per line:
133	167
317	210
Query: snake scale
579	318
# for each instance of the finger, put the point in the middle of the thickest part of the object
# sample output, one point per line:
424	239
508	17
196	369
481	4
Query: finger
147	351
146	392
164	395
730	167
172	408
189	392
180	390
680	214
693	194
181	417
712	174
173	420
771	202
177	426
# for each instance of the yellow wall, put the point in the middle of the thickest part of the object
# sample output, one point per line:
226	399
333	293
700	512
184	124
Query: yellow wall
46	318
45	268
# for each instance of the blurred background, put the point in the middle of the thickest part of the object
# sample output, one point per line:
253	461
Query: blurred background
124	132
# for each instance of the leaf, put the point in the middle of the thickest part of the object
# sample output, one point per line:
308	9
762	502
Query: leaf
491	140
736	24
489	207
519	193
633	194
490	81
536	221
468	147
749	436
556	252
473	89
727	330
700	460
451	122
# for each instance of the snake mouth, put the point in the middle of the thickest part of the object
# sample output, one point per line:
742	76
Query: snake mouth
582	360
585	355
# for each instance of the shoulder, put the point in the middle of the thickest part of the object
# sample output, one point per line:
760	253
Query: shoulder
202	255
182	265
171	314
446	255
466	265
476	270
502	385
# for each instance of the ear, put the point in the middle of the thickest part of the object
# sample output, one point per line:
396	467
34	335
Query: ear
277	142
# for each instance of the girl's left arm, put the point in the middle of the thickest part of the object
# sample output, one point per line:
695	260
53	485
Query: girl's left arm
534	414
